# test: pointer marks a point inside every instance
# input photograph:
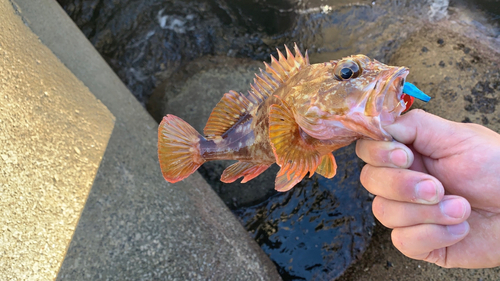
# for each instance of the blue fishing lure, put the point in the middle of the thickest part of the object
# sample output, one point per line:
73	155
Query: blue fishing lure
415	92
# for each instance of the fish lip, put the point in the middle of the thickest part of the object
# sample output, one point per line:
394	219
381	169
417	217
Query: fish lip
384	103
399	72
387	115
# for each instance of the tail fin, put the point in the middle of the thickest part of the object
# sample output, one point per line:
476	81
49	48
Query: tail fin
178	148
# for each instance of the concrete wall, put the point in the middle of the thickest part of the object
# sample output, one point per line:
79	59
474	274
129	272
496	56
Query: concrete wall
135	225
53	134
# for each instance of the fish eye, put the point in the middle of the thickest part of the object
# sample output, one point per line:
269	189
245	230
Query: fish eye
346	73
346	70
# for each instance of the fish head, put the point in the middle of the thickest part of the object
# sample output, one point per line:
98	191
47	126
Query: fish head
356	98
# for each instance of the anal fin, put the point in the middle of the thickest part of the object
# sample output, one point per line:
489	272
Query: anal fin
247	170
327	167
295	154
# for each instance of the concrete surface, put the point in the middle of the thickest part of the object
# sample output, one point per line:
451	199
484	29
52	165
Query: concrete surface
135	225
53	134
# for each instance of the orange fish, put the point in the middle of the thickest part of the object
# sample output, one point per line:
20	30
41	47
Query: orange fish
296	114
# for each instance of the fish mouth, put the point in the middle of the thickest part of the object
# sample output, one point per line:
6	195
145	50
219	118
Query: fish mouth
385	102
393	104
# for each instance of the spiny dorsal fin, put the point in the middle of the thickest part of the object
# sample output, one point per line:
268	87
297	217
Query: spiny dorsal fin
234	106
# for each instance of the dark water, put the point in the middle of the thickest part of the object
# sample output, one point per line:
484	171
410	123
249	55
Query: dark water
490	7
318	228
146	41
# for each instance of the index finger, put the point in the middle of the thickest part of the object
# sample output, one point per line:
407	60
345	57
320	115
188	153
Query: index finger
429	134
402	185
384	154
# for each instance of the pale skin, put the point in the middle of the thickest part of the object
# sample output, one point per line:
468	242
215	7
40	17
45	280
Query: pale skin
452	218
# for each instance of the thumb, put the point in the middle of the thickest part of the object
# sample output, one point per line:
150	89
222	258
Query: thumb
427	133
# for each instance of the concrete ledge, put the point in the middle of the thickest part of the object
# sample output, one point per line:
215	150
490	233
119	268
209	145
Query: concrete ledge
136	226
53	134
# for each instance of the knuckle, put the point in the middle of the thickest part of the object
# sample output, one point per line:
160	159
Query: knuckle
416	111
438	257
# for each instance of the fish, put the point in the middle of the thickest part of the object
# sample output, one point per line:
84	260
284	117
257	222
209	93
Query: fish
296	114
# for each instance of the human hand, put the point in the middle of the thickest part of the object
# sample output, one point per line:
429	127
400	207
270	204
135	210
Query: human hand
438	187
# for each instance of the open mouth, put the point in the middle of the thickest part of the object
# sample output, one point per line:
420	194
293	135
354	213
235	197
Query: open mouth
393	90
393	98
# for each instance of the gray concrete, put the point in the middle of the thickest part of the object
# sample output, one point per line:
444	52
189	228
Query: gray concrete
136	226
53	134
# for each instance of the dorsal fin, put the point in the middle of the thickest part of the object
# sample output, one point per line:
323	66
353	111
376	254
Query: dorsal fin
226	113
234	106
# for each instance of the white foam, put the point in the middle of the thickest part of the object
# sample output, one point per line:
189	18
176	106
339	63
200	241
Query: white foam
174	22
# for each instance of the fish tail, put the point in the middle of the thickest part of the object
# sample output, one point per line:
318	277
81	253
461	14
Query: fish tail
178	148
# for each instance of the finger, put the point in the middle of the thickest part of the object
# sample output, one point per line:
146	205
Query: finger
393	214
418	161
429	134
384	153
419	241
402	185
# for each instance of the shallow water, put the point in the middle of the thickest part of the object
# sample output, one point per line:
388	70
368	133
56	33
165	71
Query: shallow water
146	41
318	228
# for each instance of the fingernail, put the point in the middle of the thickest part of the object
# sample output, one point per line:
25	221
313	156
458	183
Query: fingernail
399	157
458	229
426	191
454	208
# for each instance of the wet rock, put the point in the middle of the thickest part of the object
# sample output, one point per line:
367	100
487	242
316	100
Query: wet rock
373	28
466	90
145	42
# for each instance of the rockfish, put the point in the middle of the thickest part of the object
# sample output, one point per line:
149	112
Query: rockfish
295	114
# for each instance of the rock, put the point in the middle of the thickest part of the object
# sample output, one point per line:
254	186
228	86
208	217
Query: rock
438	9
460	74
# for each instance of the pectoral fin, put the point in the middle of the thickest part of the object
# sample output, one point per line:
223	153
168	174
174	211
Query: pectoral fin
247	170
328	167
295	153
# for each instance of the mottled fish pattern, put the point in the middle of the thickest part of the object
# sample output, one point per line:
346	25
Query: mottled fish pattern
295	114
